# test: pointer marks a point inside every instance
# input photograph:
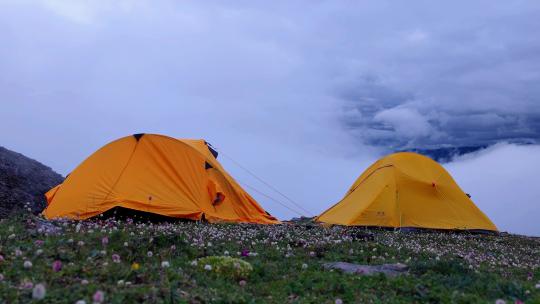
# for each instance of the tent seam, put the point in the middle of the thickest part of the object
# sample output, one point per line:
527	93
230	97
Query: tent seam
122	172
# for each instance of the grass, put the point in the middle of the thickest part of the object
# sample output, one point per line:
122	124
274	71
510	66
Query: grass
286	264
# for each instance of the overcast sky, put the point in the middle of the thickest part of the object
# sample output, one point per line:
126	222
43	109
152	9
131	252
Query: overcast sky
304	94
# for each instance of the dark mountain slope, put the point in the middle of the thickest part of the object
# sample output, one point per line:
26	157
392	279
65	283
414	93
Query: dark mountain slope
447	154
23	180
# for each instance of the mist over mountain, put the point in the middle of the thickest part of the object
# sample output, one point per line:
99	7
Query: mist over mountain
446	154
306	95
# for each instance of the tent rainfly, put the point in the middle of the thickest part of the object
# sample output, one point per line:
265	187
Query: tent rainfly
407	190
178	178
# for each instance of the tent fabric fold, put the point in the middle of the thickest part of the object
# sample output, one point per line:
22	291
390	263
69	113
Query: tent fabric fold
407	190
156	174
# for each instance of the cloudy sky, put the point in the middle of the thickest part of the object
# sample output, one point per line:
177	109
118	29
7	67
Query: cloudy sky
305	94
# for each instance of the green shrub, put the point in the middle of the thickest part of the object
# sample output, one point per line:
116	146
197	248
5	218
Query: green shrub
225	266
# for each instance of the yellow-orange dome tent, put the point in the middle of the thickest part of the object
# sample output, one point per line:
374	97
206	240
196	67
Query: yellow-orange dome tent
158	174
407	190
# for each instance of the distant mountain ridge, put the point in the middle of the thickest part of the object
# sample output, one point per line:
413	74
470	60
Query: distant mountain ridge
23	180
447	154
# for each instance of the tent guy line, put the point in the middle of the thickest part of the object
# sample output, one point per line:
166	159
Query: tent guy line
182	178
179	178
271	198
264	182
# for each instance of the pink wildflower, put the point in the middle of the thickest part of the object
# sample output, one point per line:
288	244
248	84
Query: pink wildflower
57	266
27	284
99	297
116	258
105	241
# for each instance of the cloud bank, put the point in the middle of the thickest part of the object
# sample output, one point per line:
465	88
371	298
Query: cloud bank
503	183
305	94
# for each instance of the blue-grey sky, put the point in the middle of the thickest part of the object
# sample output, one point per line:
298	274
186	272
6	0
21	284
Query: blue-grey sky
306	94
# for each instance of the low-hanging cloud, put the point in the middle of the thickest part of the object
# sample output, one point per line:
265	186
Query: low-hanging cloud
306	95
503	183
99	71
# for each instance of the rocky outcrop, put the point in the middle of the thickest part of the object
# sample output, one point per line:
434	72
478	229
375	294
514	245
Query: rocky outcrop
387	269
23	180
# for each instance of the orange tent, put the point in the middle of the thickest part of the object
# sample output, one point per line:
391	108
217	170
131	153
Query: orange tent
153	173
407	190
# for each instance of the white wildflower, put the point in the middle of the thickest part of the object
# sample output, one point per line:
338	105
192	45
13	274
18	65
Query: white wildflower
38	293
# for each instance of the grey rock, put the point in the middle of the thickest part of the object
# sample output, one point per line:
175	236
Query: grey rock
387	269
23	180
